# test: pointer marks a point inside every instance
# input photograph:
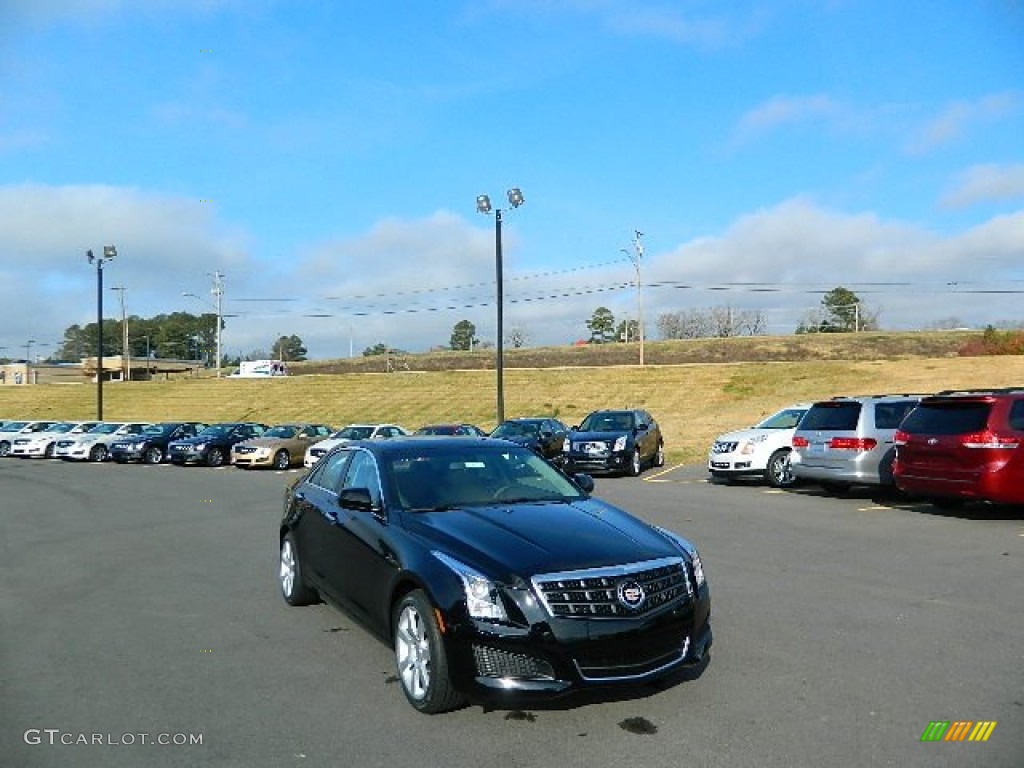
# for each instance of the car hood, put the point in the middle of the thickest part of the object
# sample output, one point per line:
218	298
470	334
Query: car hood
509	540
267	442
197	440
740	435
326	445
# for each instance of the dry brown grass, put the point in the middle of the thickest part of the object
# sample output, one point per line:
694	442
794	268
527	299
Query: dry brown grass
693	403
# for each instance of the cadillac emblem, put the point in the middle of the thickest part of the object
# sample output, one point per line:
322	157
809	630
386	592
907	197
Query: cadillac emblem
631	595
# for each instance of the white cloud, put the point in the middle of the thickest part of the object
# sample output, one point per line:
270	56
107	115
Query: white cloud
985	184
957	117
785	110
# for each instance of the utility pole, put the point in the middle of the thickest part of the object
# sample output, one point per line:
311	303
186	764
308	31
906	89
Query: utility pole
126	360
636	256
218	292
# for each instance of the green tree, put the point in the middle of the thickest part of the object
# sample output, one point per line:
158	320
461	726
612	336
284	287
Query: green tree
463	336
627	330
289	348
601	326
377	349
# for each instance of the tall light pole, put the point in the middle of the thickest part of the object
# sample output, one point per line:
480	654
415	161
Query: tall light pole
109	253
636	256
28	351
483	205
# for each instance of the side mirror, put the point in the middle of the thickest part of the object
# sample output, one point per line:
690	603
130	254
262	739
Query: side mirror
355	498
584	481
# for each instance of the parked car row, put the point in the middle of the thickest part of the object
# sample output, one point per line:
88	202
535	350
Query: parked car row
948	448
606	442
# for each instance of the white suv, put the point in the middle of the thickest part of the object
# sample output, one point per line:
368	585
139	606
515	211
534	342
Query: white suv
348	434
761	451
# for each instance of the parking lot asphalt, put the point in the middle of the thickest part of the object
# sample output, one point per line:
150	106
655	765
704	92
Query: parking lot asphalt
140	604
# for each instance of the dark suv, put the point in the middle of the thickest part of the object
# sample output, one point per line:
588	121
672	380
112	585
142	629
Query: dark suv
962	446
543	436
849	441
620	442
213	445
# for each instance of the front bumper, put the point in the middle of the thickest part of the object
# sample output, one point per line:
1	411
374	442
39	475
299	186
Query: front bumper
252	460
612	462
127	451
28	450
561	655
187	454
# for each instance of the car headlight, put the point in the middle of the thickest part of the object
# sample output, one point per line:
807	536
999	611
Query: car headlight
690	550
566	445
620	444
199	447
482	599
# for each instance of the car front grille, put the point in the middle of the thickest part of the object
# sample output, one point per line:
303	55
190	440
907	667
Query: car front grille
594	448
65	443
609	593
726	446
244	449
492	662
634	662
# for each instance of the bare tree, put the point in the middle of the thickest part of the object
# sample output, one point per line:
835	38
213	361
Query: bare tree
517	337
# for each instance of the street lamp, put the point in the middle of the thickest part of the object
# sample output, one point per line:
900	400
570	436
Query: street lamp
28	351
109	253
483	205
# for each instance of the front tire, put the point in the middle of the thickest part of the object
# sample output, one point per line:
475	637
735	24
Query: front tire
290	576
779	472
420	656
49	452
153	455
5	448
282	460
634	463
215	457
98	453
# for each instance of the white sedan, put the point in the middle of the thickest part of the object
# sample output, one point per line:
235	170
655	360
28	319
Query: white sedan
43	444
347	435
761	451
94	445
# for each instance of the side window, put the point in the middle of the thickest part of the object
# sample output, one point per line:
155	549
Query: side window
329	470
306	432
362	473
889	415
1017	415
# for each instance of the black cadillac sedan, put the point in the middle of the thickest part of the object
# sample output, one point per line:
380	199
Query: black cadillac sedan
491	573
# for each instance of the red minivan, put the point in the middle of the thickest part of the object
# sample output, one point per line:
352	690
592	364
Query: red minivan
963	446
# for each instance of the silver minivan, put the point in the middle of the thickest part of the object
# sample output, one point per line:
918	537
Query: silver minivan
849	441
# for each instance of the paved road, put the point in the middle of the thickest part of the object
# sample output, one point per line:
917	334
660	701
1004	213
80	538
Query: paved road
142	600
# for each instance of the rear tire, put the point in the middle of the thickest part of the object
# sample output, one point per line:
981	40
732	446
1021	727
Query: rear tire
659	455
290	575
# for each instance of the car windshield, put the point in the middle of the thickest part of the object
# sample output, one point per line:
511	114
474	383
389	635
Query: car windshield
159	429
64	426
785	419
477	475
353	433
607	422
105	429
517	429
217	430
283	431
14	426
439	429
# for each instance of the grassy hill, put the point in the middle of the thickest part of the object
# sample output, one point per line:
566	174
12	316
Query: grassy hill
694	401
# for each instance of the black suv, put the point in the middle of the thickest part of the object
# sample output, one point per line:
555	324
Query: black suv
543	436
619	442
213	445
150	446
492	574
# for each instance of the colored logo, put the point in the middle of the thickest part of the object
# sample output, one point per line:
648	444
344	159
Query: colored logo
958	730
631	594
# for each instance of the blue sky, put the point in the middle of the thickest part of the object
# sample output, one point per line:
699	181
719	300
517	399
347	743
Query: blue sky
326	157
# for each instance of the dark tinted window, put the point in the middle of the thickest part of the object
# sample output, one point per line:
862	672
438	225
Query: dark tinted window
889	415
832	416
328	471
947	418
1017	415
